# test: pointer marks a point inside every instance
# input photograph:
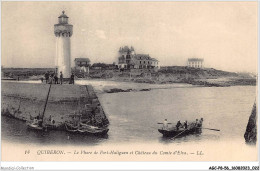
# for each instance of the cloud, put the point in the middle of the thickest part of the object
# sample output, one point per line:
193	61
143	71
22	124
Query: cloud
101	34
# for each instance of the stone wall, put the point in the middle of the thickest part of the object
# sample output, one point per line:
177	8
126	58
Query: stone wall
24	100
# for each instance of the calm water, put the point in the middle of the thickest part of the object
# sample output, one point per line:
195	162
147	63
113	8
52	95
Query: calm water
133	116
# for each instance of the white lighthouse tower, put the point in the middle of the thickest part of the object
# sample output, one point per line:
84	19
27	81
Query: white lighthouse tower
63	32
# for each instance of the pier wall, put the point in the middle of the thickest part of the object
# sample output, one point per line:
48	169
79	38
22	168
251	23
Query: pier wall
25	100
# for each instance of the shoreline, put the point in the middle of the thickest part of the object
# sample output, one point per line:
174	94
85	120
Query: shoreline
101	86
205	77
212	82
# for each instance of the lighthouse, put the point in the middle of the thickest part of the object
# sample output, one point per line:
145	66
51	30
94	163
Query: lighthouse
63	31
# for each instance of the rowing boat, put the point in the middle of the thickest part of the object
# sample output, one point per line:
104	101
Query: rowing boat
172	132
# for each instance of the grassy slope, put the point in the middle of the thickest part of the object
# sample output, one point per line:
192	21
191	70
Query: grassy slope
179	74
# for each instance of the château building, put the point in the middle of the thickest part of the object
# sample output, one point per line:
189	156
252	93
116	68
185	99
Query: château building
82	64
128	59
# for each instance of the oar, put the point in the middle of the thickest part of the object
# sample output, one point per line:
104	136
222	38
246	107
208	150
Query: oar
211	129
178	134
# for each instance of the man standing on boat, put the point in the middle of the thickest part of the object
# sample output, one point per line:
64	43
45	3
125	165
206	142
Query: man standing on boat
185	125
200	123
165	125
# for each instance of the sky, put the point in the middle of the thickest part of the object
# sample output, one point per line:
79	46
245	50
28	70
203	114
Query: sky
223	33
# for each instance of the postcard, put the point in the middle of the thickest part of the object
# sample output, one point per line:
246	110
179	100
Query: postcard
129	81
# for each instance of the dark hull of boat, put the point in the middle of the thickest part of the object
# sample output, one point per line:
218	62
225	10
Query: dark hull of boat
86	130
180	133
90	132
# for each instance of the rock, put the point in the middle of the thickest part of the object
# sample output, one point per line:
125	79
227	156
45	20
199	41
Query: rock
117	90
251	129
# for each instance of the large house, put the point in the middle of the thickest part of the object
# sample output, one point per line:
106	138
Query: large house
82	64
195	62
128	59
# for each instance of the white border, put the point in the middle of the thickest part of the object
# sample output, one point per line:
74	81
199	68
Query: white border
130	165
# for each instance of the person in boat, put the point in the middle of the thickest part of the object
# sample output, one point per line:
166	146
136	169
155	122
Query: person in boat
185	125
178	125
196	122
200	122
35	121
165	124
51	120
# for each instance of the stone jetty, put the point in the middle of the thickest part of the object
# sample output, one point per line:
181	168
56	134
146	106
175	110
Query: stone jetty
25	100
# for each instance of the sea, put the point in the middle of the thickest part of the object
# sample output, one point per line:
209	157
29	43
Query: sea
134	115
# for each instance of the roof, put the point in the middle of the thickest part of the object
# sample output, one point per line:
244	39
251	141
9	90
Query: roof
195	59
63	15
153	59
82	59
126	49
142	56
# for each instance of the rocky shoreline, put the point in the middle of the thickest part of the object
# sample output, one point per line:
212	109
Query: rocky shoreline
207	77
